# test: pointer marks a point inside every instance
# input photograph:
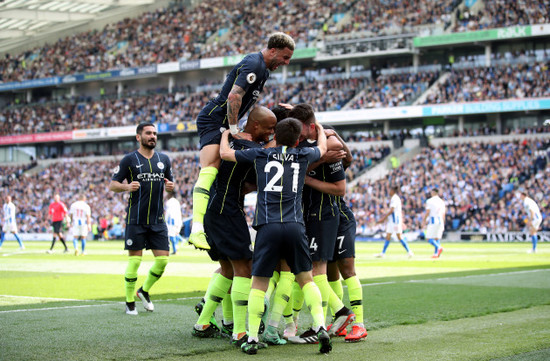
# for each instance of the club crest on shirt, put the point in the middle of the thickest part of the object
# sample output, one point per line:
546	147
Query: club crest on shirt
116	170
251	78
160	165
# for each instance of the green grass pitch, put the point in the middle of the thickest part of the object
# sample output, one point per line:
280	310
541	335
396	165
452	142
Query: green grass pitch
477	302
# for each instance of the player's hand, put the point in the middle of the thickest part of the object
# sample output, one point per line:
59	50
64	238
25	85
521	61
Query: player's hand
333	156
89	227
243	135
329	132
134	186
168	185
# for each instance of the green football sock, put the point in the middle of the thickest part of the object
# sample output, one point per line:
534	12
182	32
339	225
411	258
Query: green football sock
272	284
155	272
201	192
338	290
322	283
355	292
282	295
287	312
217	289
255	311
312	295
297	300
130	276
239	294
227	307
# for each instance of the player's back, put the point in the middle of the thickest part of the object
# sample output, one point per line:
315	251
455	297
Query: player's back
79	212
531	206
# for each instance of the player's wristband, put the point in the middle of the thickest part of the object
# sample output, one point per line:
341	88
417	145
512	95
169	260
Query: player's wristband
233	129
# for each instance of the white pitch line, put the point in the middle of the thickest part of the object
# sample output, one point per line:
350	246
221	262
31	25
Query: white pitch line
57	308
52	298
483	275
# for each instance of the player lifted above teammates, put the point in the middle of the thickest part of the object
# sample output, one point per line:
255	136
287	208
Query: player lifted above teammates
239	92
147	174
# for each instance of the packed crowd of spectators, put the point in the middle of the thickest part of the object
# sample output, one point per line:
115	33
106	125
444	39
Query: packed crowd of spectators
494	83
502	13
173	33
476	180
365	159
208	30
394	90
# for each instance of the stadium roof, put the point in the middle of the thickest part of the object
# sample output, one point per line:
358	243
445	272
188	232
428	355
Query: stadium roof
22	20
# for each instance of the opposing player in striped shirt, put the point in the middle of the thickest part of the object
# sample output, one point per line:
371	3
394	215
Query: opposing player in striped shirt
81	220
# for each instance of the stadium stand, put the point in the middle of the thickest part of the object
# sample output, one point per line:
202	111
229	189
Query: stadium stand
478	178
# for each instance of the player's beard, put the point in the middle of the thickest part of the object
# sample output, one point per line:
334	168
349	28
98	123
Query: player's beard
147	145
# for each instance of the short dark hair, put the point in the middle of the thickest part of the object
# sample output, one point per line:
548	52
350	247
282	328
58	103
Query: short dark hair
280	112
280	41
287	132
140	127
394	188
303	112
435	190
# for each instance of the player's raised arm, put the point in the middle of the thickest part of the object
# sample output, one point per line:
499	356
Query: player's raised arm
226	153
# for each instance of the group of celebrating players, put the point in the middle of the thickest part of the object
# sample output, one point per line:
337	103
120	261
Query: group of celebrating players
305	233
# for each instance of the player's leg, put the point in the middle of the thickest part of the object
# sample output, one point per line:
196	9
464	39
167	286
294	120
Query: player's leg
280	301
385	247
227	309
333	274
217	289
355	293
2	237
209	157
75	243
404	244
174	243
83	244
240	291
267	251
130	279
312	296
533	233
534	241
155	238
16	235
